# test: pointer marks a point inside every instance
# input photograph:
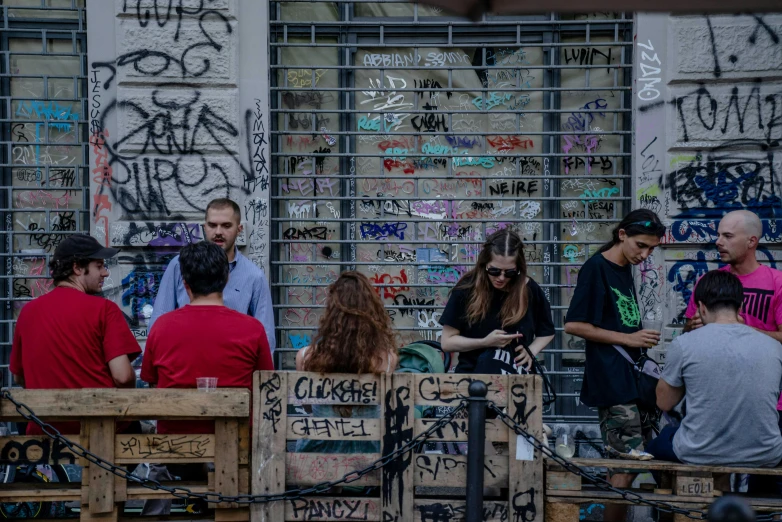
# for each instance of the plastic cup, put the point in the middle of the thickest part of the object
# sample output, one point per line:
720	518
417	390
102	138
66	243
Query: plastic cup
653	324
207	384
565	446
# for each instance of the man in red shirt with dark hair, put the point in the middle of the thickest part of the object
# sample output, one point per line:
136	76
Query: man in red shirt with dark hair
202	339
71	337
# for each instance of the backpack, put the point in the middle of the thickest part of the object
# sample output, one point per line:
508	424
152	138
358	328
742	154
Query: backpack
429	357
423	357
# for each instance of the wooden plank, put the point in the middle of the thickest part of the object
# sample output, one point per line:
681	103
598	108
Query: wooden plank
562	480
163	449
451	388
456	430
270	406
120	489
562	512
427	510
451	470
244	480
587	495
659	465
36	450
307	469
245	439
86	516
101	488
140	403
227	460
333	509
555	499
396	477
169	518
84	438
30	492
525	407
142	493
694	485
333	428
334	388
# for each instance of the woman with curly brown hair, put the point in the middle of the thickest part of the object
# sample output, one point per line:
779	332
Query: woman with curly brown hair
497	316
354	336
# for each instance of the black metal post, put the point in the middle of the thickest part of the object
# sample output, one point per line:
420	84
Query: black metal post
476	440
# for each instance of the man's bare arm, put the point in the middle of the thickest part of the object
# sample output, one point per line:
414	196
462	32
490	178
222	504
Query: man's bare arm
774	335
668	396
18	379
590	332
122	372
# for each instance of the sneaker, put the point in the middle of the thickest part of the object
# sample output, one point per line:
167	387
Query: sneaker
633	454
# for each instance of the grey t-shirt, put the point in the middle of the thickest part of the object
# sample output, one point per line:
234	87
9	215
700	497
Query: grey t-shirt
732	377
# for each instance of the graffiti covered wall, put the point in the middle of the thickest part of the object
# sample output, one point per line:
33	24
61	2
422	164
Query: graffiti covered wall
398	151
176	92
708	106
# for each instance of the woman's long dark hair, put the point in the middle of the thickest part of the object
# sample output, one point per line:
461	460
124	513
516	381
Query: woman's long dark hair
638	222
504	242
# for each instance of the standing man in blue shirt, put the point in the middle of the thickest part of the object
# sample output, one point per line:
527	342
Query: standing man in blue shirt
247	292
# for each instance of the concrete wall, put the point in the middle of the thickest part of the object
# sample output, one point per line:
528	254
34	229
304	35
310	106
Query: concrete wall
708	122
177	102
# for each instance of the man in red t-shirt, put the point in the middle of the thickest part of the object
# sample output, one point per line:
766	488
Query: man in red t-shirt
71	337
202	339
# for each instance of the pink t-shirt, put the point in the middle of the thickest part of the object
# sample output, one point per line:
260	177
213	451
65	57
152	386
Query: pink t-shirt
762	308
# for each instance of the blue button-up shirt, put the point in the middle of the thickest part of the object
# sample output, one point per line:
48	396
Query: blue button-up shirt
247	292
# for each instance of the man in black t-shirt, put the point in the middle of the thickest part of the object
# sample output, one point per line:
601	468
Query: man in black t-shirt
604	311
605	298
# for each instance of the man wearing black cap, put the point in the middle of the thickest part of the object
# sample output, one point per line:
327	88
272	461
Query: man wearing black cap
71	337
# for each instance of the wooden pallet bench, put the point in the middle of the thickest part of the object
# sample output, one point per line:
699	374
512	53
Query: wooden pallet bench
400	497
422	486
683	485
102	494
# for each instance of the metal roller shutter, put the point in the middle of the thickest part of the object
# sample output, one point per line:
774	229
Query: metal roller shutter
43	192
402	138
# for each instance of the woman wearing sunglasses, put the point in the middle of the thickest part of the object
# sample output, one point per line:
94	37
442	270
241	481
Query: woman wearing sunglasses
604	311
496	310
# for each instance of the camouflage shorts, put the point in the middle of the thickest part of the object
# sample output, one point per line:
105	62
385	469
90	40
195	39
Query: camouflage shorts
623	427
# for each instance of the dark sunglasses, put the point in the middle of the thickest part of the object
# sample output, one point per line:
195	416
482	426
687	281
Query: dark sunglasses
657	227
495	272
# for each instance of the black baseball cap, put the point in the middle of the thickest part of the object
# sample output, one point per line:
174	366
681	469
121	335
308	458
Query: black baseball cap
83	245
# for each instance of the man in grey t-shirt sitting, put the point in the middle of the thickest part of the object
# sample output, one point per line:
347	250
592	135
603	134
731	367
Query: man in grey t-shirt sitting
731	376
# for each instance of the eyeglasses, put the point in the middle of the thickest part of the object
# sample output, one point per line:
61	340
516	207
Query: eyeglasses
495	272
649	224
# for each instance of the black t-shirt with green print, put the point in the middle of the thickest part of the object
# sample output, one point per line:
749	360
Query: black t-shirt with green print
605	297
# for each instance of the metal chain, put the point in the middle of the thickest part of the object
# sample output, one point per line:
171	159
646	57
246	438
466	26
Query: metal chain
601	483
217	498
